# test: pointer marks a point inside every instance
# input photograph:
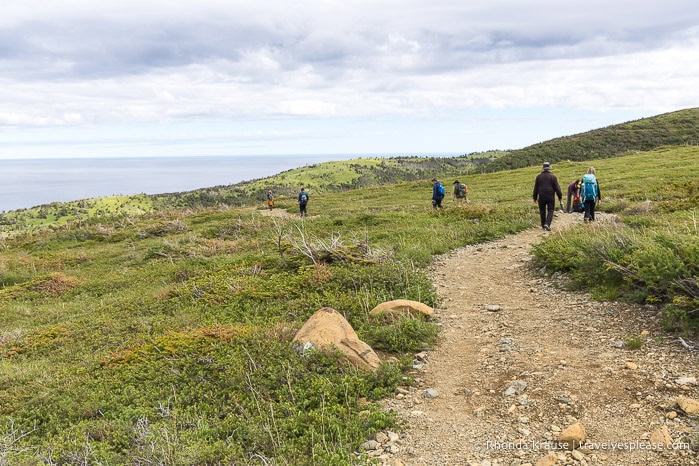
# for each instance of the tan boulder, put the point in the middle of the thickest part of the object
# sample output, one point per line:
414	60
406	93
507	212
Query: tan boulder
402	306
688	405
327	328
573	436
661	437
549	460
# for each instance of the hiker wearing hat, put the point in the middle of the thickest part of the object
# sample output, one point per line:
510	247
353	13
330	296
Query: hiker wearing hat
437	193
270	200
460	193
546	188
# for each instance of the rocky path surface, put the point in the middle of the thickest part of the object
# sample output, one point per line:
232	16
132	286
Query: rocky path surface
520	360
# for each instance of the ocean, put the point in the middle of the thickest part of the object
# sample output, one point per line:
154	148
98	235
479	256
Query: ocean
32	182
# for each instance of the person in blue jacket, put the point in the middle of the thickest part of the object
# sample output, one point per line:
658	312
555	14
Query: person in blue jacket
303	201
437	193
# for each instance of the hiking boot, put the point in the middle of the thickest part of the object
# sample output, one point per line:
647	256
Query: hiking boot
547	228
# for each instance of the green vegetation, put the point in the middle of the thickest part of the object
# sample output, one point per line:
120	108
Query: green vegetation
161	335
166	337
671	129
633	342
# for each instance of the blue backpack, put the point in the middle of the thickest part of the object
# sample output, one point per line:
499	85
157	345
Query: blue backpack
440	190
589	192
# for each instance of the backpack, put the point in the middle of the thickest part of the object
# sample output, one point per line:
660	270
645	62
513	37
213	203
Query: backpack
303	198
461	190
588	191
440	190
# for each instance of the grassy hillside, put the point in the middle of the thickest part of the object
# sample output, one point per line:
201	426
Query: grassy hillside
165	338
318	178
670	129
329	177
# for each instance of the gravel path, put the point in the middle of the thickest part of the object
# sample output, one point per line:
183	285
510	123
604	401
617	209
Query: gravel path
559	353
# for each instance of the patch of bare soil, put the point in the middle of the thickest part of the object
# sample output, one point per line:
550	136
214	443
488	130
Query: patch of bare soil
564	350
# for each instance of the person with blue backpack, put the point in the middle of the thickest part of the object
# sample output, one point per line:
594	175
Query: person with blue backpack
590	194
303	200
437	193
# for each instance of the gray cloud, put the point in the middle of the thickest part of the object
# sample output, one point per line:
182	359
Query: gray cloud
73	63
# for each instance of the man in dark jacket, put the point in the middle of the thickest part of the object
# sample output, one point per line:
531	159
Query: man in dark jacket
546	188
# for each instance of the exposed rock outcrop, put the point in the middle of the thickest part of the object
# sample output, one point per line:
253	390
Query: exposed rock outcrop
327	328
399	307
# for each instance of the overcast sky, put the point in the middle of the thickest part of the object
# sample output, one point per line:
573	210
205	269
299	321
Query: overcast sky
207	77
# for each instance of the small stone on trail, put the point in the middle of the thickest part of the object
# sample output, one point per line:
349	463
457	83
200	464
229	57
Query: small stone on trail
492	307
549	460
516	388
371	445
431	393
630	365
688	405
686	381
661	437
572	436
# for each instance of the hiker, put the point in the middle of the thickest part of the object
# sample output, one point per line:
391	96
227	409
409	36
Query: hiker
546	188
460	192
590	194
573	193
437	193
303	200
270	200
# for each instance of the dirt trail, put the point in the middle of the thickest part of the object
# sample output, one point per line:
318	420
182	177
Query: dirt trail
564	345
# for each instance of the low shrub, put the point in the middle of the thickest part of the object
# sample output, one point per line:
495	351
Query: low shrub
646	266
404	335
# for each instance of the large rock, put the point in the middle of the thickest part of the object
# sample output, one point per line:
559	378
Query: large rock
573	436
688	405
399	307
327	328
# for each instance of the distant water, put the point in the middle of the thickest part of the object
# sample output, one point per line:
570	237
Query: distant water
32	182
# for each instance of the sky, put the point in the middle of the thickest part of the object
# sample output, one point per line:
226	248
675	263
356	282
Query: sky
86	78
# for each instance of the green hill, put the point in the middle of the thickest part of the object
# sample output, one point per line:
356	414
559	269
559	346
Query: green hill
329	177
318	178
669	129
165	337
